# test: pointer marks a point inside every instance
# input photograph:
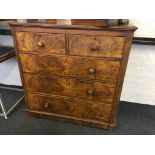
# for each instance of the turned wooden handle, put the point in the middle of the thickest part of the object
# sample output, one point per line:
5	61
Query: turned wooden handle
46	105
94	48
40	44
90	91
91	70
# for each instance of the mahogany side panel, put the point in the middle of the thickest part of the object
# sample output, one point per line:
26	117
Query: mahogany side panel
120	79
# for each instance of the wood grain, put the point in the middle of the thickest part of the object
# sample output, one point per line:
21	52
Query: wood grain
77	67
70	107
90	90
95	22
121	76
41	42
119	28
105	46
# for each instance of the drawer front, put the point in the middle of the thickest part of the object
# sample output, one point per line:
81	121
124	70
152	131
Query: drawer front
96	46
95	69
97	91
70	107
41	42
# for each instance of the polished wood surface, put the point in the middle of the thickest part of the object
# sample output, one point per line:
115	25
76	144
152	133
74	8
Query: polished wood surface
41	42
97	91
95	22
70	106
121	27
73	73
78	67
96	46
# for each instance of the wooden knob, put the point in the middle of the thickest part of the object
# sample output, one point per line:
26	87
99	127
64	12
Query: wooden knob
90	92
94	48
39	44
46	105
89	110
91	70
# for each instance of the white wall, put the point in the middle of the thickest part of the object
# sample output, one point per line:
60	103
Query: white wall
6	40
9	72
139	83
146	28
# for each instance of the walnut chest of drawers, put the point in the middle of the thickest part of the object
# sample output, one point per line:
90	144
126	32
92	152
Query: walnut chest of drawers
73	73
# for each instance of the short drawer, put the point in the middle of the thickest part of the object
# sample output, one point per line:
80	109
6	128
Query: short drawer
95	69
70	107
41	42
96	46
90	90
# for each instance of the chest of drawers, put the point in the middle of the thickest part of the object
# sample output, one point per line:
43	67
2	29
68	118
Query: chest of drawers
73	73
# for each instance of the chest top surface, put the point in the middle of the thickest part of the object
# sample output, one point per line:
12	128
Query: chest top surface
121	27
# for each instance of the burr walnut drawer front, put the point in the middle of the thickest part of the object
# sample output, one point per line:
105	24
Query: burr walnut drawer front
96	69
97	91
70	106
96	46
41	42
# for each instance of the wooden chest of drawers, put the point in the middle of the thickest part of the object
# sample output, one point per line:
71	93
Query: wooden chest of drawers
73	73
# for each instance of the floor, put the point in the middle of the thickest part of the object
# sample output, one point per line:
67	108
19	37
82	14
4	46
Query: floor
132	119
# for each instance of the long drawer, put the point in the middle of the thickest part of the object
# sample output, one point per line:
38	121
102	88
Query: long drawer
90	90
70	106
41	42
96	46
95	69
